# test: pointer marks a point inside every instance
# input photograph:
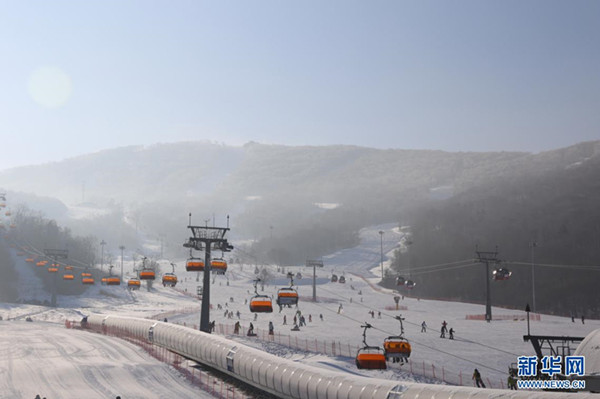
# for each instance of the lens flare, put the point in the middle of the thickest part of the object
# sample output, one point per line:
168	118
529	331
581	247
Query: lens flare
50	87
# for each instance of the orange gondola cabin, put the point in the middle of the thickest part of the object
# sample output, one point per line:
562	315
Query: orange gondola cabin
370	357
194	265
169	280
261	304
218	266
134	284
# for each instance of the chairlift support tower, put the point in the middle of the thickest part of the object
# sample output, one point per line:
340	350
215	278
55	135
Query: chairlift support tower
314	264
207	238
487	258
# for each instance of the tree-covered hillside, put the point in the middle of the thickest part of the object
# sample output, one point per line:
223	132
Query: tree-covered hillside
555	209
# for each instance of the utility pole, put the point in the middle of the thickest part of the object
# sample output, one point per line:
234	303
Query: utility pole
381	232
55	254
122	248
532	245
102	244
206	238
314	264
487	257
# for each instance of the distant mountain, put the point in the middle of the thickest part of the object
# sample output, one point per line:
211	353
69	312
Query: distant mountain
273	189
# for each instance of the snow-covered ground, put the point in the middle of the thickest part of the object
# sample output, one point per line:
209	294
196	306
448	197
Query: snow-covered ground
490	347
47	359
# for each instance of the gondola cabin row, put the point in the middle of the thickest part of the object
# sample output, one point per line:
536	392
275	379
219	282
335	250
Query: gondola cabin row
87	280
194	265
218	266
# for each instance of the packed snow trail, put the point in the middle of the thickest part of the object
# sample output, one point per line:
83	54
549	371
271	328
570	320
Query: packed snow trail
54	362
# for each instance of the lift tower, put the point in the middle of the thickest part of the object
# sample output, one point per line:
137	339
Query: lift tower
207	238
487	258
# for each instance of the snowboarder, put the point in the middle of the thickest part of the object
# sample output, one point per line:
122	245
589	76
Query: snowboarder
424	327
321	316
340	309
236	327
271	328
443	332
451	333
251	330
477	378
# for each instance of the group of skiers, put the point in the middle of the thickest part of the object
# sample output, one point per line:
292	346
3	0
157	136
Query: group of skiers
445	330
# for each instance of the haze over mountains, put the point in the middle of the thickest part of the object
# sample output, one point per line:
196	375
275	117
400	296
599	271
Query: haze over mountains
268	188
295	203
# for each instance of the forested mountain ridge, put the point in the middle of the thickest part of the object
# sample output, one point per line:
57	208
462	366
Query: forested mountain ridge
555	210
270	191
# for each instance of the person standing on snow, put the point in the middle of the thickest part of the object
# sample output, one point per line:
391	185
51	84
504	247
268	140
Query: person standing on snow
477	378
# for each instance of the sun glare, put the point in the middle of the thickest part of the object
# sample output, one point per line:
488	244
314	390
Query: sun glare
50	87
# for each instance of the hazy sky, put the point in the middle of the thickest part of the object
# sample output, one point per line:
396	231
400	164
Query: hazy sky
80	76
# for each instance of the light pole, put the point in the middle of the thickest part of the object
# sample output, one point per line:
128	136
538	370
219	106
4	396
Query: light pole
532	245
102	244
122	248
527	309
381	232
